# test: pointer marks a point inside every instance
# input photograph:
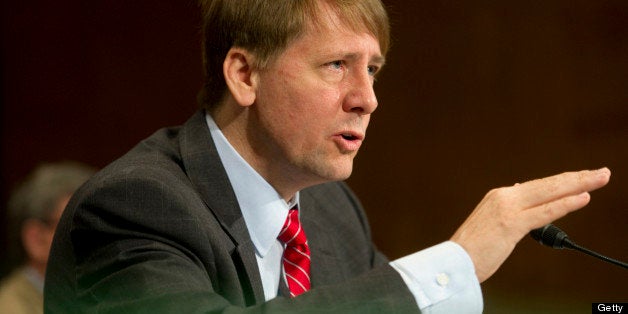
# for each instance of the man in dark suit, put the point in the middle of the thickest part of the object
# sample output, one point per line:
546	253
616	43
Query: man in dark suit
193	219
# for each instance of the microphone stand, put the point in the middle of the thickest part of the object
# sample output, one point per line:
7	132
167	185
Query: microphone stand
552	236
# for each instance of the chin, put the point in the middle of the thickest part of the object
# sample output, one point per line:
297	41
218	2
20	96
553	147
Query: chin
321	170
337	172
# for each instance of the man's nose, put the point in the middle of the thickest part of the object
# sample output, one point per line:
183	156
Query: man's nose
360	97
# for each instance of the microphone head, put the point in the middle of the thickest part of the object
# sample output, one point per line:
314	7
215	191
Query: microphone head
549	235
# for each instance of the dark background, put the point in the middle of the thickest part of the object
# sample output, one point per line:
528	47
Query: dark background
475	95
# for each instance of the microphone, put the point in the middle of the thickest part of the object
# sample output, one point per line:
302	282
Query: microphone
552	236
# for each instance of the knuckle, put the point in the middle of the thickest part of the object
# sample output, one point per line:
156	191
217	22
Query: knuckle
552	184
499	193
581	175
490	194
502	201
548	210
554	210
501	197
577	176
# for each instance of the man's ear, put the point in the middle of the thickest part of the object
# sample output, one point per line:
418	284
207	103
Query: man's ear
240	76
33	240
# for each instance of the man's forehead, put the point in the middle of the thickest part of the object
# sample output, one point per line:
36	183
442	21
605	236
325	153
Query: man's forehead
333	19
343	44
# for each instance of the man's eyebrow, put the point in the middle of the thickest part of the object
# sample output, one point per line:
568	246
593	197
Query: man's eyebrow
379	59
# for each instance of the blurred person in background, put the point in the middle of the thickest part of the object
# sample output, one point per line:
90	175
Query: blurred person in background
34	209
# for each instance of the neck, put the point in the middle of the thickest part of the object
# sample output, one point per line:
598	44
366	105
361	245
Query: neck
239	127
40	268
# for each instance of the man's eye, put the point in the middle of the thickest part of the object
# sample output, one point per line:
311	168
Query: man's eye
336	64
372	69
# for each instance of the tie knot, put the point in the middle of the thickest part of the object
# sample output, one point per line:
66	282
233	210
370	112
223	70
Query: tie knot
292	234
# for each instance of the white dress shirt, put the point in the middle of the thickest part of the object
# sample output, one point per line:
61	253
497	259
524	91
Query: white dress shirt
441	278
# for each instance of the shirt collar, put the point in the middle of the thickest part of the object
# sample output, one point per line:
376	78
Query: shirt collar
33	276
263	209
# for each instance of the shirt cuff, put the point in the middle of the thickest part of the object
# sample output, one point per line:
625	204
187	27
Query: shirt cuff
442	279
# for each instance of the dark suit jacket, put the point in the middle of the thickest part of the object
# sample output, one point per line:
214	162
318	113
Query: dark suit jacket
160	230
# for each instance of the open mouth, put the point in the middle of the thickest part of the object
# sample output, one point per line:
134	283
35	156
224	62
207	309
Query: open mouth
349	141
349	137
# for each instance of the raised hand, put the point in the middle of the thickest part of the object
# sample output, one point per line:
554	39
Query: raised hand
507	214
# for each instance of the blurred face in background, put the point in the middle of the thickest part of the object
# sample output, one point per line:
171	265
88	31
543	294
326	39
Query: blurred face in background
37	236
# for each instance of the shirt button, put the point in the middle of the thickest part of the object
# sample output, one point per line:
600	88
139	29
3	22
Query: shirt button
442	279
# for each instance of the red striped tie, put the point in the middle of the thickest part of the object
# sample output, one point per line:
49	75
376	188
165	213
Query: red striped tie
296	256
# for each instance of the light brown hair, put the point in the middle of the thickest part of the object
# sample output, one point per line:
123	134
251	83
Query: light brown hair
266	27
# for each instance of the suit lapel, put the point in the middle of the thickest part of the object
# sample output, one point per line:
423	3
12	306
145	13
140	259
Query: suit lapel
205	170
324	266
284	291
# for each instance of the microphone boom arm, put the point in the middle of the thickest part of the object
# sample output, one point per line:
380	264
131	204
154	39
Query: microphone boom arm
552	236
